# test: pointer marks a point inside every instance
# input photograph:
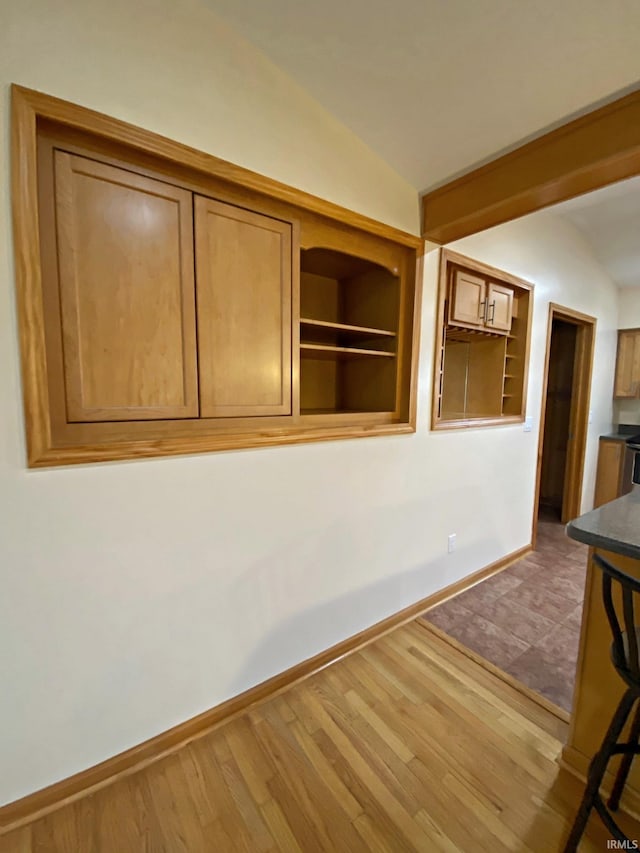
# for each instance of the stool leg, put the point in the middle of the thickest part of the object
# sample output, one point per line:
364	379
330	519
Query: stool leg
625	764
597	769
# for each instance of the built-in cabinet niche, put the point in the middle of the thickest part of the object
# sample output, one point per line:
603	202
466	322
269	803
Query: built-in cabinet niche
482	344
349	312
181	304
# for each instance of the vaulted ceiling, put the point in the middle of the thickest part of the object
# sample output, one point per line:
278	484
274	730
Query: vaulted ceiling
609	219
436	87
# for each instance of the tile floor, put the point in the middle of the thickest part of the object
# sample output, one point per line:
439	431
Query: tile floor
526	620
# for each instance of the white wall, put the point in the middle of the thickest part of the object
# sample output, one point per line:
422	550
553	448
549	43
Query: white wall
629	307
628	411
135	595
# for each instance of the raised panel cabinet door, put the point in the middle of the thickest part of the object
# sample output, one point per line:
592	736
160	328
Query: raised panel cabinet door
127	295
499	307
467	302
627	379
608	472
243	287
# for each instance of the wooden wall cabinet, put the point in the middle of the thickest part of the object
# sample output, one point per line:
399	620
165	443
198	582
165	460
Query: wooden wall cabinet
476	303
243	272
482	344
613	474
123	331
627	378
173	303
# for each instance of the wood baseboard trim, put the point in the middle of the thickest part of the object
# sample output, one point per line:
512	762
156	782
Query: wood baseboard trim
545	703
471	580
59	794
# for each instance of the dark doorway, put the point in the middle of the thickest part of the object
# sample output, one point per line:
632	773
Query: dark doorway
564	416
557	422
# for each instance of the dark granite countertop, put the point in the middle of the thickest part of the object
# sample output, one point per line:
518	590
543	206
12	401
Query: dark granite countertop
615	436
622	433
614	526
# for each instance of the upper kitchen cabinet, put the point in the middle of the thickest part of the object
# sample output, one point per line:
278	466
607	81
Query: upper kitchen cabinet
627	378
170	302
125	279
243	269
482	351
474	302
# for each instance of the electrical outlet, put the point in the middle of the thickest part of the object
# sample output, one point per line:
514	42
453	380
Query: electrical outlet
451	543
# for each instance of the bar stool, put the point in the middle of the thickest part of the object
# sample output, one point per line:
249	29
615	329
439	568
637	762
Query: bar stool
624	655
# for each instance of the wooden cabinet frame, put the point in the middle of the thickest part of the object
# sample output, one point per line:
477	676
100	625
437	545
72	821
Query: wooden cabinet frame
510	384
51	440
626	384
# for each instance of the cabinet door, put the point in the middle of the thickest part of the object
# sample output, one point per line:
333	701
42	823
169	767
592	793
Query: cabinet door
467	300
127	302
499	307
610	458
243	273
627	380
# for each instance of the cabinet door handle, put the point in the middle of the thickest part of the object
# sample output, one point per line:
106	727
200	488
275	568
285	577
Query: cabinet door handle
483	310
493	312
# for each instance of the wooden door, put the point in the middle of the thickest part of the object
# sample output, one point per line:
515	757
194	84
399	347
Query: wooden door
467	300
627	379
499	307
243	272
127	301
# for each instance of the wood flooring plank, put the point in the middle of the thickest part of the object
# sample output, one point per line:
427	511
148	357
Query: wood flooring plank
319	761
250	759
406	745
279	827
197	785
385	826
261	839
380	727
370	777
178	821
307	789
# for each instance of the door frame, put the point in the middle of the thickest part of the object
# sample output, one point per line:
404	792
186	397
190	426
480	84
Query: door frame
579	417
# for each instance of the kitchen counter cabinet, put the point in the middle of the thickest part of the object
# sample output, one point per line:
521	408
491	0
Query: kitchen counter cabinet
613	530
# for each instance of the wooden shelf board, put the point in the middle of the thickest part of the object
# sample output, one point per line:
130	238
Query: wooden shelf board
344	327
325	351
340	412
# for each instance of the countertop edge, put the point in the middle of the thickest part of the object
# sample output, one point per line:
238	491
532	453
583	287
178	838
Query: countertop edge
614	527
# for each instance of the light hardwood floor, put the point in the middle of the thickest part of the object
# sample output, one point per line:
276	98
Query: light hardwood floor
405	745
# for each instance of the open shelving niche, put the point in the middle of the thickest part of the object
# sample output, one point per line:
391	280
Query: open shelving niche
485	371
349	315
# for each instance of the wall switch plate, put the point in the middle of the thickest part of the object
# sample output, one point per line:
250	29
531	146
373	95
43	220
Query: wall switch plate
590	418
528	424
451	543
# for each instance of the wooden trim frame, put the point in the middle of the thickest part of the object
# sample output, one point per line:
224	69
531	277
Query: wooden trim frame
36	805
49	443
447	257
579	419
585	154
